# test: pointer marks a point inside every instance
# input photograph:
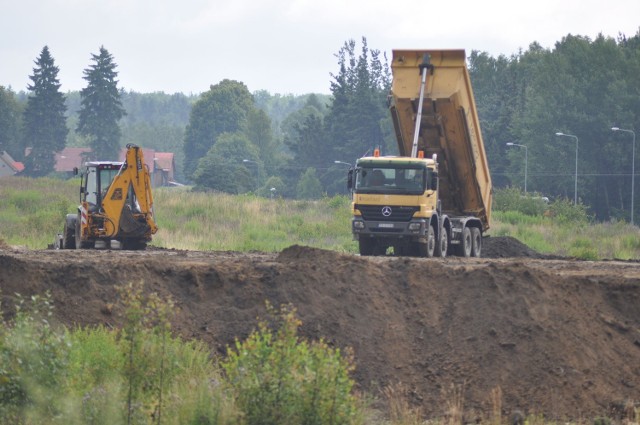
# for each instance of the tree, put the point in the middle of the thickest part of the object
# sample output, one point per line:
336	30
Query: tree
309	186
10	124
45	128
358	112
101	107
223	167
223	109
260	133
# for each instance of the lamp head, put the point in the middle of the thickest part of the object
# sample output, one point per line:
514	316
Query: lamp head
615	128
559	133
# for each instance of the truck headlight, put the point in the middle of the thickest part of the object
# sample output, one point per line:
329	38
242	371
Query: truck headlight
358	224
414	226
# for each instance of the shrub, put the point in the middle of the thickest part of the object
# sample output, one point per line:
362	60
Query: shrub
513	199
565	211
278	378
33	360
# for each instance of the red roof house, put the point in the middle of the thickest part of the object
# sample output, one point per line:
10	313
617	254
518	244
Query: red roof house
8	166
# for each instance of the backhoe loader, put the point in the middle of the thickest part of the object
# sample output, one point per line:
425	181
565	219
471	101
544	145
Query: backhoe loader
115	205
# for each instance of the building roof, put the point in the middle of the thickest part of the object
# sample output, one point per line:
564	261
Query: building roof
69	158
15	166
149	155
164	160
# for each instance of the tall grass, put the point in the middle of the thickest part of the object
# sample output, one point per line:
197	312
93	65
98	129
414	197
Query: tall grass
32	211
217	221
583	240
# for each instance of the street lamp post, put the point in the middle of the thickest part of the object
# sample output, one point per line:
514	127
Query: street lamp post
342	162
633	163
575	190
526	162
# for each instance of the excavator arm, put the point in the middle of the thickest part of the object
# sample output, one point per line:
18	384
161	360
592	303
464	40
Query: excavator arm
128	202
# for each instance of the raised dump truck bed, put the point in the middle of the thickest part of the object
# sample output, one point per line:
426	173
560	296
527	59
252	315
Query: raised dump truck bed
449	127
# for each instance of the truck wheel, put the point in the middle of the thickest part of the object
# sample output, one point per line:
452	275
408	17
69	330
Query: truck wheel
427	249
443	244
476	242
466	243
69	232
367	246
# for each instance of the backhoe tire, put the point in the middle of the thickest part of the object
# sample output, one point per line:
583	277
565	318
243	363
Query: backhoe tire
476	242
80	244
69	232
464	249
442	245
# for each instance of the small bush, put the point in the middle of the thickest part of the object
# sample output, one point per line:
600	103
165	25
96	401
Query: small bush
565	212
33	362
584	249
513	199
279	379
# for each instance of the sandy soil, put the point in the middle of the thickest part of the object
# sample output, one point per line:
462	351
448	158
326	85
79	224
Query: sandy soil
557	336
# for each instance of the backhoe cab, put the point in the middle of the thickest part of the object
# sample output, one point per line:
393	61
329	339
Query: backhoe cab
115	204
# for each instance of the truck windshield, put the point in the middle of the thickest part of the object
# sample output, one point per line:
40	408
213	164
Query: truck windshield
408	181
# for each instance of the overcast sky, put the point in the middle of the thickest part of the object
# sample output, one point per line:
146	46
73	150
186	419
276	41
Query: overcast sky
283	46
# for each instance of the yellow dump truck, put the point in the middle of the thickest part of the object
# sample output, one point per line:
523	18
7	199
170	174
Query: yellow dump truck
435	198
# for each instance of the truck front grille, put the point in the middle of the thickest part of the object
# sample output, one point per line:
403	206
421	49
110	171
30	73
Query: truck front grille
382	213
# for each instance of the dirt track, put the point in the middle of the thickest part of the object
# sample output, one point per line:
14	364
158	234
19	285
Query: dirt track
558	337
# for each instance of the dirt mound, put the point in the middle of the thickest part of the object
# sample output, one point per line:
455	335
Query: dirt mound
507	247
560	338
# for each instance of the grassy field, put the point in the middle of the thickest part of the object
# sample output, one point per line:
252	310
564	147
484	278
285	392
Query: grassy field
32	211
134	374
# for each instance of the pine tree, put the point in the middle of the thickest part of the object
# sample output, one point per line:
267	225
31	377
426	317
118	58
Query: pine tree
10	124
101	107
45	128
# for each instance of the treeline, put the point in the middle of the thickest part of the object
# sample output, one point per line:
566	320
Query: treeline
581	88
231	140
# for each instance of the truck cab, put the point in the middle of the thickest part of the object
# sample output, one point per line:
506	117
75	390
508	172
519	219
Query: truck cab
395	205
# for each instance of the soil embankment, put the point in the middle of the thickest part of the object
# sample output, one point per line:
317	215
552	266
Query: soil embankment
558	337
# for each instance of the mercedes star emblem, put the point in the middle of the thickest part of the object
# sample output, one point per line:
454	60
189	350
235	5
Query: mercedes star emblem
386	211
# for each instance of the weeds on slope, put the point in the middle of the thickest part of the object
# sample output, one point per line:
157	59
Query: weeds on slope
141	374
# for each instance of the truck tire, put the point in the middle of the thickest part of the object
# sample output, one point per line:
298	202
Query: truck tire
427	249
443	244
366	246
464	249
69	232
476	242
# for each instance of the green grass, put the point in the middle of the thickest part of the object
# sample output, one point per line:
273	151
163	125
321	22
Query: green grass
583	240
32	211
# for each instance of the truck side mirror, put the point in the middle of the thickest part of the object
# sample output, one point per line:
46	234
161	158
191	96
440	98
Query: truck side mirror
350	179
433	184
75	171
